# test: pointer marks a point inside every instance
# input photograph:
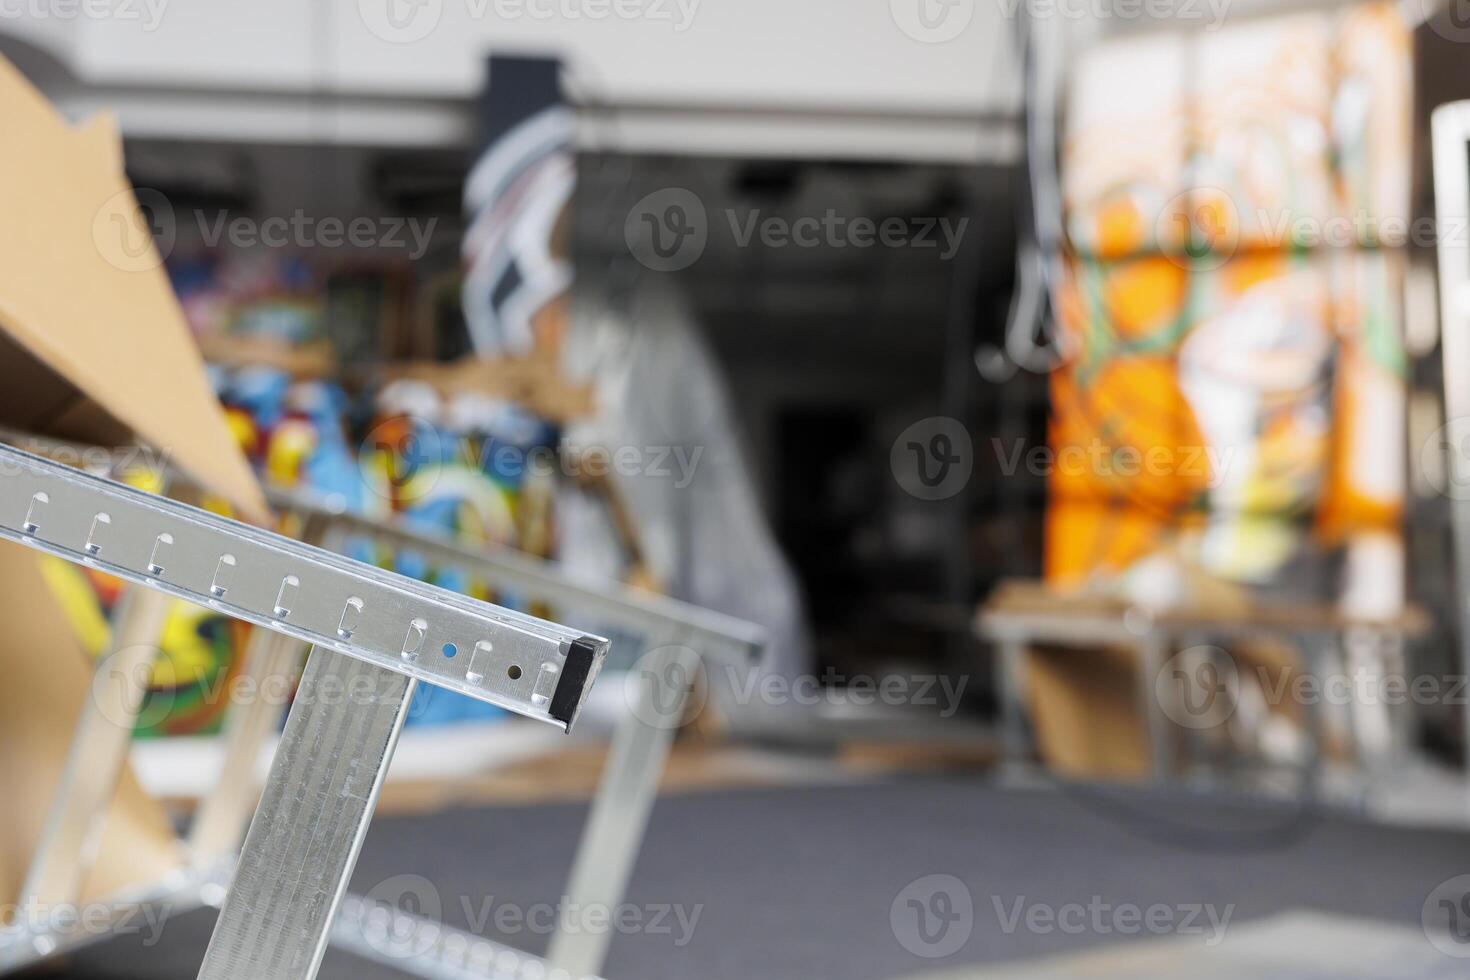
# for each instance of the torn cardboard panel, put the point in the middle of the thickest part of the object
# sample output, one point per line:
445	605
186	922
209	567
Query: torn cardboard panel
85	297
48	679
37	400
94	347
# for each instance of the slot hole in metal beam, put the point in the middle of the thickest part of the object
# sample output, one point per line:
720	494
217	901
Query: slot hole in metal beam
38	503
351	616
100	521
161	544
224	574
418	628
479	656
286	597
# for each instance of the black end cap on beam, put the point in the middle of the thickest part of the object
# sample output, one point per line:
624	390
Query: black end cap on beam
574	674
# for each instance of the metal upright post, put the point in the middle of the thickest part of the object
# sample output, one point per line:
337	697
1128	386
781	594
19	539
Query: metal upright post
658	691
99	749
223	815
1010	663
309	827
1153	652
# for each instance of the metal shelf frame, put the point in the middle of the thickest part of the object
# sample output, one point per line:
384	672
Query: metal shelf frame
509	659
303	841
657	694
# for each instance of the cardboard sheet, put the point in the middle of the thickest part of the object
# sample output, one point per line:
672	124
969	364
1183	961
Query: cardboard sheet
98	339
93	346
1085	707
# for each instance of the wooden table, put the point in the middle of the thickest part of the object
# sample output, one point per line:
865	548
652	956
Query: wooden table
1020	614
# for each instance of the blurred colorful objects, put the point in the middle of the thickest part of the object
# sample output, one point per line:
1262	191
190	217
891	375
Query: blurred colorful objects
464	471
477	469
1234	380
190	683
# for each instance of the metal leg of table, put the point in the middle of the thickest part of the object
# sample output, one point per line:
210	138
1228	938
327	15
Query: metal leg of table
1010	663
1401	718
99	749
1196	659
1371	657
1153	651
657	692
219	825
313	815
1314	648
1363	723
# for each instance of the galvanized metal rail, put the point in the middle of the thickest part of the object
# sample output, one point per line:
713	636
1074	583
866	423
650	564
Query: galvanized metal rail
375	635
507	658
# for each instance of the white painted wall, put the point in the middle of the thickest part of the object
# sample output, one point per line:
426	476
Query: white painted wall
843	64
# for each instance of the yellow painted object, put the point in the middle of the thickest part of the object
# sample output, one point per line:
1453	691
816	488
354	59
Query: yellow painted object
79	602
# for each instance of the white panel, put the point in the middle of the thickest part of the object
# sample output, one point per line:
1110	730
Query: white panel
812	78
259	44
815	54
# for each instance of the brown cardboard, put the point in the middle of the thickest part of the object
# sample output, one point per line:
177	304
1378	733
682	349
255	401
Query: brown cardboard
99	340
1084	704
93	346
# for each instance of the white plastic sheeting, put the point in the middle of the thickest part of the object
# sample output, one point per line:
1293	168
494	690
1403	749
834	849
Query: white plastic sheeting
663	416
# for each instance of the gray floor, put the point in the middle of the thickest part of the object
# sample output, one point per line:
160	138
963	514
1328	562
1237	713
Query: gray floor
804	883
